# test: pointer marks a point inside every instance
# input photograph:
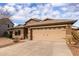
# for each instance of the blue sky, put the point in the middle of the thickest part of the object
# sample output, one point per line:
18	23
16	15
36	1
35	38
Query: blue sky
21	12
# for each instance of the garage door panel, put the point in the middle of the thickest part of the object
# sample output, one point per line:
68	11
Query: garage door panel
48	34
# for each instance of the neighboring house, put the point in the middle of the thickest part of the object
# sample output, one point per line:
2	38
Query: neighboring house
48	29
5	23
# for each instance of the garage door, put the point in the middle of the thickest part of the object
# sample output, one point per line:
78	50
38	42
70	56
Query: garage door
48	33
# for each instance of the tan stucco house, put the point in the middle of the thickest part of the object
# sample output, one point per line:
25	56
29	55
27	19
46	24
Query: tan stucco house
47	29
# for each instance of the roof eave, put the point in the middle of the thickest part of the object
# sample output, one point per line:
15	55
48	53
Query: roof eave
68	22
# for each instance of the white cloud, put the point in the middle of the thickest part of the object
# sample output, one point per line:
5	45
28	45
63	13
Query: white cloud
18	7
35	16
10	9
58	4
16	17
15	24
42	11
11	4
56	13
20	13
64	8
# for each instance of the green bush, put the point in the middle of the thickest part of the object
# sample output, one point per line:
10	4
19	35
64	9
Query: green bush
6	35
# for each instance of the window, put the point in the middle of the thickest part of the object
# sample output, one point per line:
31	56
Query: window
18	32
8	26
15	32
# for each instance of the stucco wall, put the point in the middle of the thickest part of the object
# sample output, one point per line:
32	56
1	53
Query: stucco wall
18	36
53	26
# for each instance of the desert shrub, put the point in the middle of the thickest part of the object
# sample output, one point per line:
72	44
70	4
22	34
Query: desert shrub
6	35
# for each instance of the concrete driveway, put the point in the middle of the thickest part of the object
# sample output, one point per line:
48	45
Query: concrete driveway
37	48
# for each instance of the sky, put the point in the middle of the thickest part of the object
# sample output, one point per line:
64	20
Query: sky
21	12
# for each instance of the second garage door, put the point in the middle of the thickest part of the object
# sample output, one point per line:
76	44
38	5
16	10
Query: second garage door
48	33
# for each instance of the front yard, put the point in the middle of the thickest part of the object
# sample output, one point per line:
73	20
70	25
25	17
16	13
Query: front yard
5	42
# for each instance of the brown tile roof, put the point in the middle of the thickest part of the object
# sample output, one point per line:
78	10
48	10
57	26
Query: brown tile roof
35	19
17	27
4	20
52	21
